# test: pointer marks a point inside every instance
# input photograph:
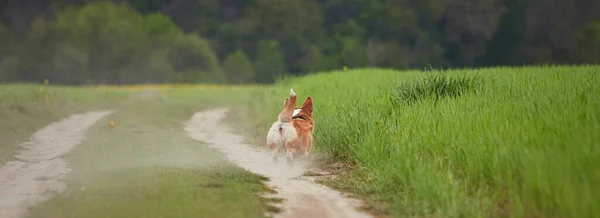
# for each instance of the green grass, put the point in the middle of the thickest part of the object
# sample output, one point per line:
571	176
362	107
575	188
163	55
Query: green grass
162	192
145	166
498	142
24	108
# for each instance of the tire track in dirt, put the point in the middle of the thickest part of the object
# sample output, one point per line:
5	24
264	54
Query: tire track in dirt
38	171
302	196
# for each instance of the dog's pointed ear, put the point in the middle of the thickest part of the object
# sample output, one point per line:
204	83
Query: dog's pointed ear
285	102
308	105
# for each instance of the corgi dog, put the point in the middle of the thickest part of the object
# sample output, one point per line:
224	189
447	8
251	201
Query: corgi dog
293	128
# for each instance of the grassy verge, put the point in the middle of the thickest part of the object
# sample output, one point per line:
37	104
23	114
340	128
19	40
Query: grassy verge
500	142
145	166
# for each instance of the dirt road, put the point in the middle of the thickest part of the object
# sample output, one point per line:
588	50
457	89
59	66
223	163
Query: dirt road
38	171
302	197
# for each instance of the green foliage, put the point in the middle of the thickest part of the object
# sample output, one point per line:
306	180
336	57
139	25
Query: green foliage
237	68
269	63
435	87
192	57
317	62
295	24
115	42
589	43
150	6
8	69
131	172
525	144
195	16
5	38
387	54
106	43
7	61
353	52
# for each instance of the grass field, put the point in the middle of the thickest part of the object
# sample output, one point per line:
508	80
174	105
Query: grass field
498	142
24	108
144	166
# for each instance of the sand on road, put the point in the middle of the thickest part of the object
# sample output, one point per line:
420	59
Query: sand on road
302	196
38	171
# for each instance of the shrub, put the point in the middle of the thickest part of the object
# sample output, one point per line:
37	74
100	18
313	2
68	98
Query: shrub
435	87
193	55
237	68
270	62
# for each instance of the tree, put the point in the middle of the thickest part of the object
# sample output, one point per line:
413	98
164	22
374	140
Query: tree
468	26
353	52
237	68
194	60
387	54
315	61
129	41
8	61
295	24
194	15
588	40
108	43
409	24
95	42
269	63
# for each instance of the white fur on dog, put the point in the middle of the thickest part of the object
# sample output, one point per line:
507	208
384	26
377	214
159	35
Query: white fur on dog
296	112
289	133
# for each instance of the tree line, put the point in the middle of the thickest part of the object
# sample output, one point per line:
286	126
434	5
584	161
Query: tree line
247	41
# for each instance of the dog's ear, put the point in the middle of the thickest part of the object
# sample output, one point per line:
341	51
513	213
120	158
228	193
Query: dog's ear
308	106
285	102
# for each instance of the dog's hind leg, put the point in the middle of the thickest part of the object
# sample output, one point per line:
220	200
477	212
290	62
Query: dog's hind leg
289	156
308	145
305	152
274	151
290	151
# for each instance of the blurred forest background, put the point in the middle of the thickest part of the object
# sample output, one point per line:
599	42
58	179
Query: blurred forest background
247	41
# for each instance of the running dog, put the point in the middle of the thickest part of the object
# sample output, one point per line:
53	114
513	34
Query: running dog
293	128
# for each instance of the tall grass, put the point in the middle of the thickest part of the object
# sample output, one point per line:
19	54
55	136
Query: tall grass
435	87
499	142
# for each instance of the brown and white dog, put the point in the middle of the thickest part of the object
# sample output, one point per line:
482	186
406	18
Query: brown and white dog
293	128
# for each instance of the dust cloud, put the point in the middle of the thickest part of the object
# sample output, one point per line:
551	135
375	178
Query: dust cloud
302	196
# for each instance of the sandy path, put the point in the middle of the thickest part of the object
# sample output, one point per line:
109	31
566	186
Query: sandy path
37	173
302	197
